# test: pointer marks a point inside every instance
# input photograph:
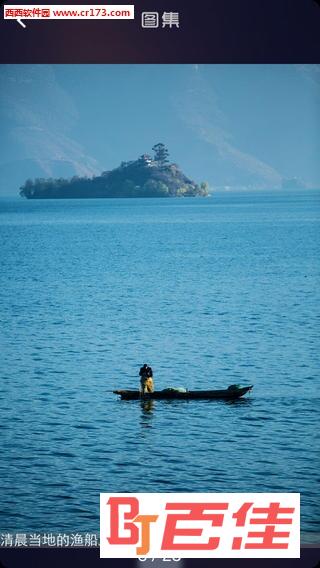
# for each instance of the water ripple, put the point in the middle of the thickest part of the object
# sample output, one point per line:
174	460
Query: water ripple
211	294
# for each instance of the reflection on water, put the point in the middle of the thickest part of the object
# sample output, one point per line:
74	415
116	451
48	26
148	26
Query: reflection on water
147	407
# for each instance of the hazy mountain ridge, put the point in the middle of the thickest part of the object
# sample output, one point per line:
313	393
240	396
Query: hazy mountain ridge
37	116
235	126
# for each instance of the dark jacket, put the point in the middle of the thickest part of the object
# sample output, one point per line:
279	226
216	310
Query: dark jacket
146	371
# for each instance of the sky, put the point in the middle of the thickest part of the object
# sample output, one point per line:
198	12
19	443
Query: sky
249	126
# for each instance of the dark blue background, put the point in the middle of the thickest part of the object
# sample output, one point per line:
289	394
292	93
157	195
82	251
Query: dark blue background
211	31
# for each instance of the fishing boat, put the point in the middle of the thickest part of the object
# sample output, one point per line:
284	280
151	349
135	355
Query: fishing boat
231	393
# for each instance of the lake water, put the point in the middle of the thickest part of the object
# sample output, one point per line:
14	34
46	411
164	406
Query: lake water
210	292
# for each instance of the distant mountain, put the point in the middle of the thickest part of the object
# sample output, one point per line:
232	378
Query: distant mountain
37	117
144	177
248	126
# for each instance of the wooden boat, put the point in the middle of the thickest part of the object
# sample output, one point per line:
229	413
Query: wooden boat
231	393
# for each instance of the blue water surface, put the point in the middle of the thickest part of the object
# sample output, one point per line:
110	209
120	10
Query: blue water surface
210	292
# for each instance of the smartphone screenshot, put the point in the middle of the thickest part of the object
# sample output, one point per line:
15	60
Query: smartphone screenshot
160	270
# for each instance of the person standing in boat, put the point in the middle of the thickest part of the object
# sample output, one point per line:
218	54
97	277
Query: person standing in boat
146	379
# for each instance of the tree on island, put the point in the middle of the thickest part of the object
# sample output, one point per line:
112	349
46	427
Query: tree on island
161	154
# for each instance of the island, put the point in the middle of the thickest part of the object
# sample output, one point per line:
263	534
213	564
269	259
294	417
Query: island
144	177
